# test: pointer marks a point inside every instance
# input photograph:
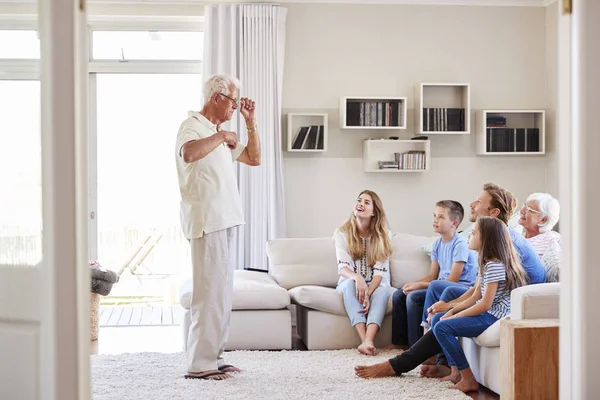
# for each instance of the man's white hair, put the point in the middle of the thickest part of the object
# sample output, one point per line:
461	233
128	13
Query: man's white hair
219	83
549	207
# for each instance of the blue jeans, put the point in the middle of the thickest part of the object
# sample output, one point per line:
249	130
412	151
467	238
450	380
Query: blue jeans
447	330
441	290
406	316
379	300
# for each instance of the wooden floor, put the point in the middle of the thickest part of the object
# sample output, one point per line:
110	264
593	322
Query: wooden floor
168	339
140	315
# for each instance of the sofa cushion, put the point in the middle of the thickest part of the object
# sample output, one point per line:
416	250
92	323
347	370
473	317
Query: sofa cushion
252	290
325	299
299	261
491	336
408	262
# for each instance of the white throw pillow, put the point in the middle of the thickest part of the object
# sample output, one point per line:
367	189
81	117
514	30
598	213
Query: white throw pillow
551	260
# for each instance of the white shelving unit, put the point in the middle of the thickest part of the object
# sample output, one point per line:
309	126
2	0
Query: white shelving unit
358	103
295	121
437	98
515	120
375	150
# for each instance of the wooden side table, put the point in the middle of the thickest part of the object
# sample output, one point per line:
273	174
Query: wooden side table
529	357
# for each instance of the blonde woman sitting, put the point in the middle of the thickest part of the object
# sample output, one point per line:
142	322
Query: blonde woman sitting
363	249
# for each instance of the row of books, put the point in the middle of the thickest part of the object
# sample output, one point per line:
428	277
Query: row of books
414	159
503	140
443	119
374	113
309	138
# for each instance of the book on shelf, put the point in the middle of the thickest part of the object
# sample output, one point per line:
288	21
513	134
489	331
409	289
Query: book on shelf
410	160
374	113
310	137
512	140
443	119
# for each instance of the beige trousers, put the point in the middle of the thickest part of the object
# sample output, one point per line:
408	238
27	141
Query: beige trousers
212	295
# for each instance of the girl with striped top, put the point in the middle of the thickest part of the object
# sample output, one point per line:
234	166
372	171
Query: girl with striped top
363	248
499	272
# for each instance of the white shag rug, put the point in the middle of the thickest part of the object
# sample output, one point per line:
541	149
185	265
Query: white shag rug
265	375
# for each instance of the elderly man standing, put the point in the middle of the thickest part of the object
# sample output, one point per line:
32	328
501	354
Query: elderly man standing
210	209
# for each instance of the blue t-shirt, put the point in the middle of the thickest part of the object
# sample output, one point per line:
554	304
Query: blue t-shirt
455	250
536	273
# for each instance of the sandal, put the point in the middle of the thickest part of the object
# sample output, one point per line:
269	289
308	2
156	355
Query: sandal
206	376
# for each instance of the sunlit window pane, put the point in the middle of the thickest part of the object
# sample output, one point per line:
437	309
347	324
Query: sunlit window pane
20	173
19	44
135	45
138	192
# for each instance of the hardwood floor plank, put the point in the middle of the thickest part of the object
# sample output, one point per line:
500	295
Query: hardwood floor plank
115	316
136	315
105	316
156	315
167	315
125	316
146	316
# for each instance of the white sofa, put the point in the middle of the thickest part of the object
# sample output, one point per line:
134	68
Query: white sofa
260	320
308	269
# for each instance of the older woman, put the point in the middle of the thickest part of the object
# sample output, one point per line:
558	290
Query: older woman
539	214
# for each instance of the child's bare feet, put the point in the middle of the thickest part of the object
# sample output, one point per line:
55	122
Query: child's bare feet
367	348
453	377
380	370
434	371
466	385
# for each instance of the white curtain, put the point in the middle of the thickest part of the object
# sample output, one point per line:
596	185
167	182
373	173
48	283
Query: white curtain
248	41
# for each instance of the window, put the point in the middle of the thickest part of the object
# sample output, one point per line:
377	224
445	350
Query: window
20	173
138	195
19	44
138	45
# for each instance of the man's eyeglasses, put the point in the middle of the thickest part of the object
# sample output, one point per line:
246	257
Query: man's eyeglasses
529	209
233	101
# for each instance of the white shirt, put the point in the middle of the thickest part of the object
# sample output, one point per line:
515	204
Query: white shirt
542	241
360	266
210	200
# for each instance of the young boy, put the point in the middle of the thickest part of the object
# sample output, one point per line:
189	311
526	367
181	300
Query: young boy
451	260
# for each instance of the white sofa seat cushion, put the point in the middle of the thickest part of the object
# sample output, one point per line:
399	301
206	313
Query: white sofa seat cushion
325	299
491	336
252	290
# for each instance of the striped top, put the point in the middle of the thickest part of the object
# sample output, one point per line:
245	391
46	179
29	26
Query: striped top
542	241
360	266
495	272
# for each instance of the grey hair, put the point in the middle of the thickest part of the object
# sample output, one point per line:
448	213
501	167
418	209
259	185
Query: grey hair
549	207
219	83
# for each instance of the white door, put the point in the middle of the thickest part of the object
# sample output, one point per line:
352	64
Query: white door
579	85
44	276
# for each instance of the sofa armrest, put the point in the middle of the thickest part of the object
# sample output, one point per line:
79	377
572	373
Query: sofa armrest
535	301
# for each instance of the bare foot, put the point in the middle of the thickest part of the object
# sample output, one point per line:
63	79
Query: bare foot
367	348
380	370
213	375
435	371
466	386
395	347
453	376
430	361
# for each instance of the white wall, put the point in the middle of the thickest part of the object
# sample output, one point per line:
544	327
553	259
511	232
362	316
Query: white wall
552	100
335	50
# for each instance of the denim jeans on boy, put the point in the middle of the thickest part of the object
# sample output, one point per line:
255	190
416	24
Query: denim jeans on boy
407	311
438	289
447	330
379	300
